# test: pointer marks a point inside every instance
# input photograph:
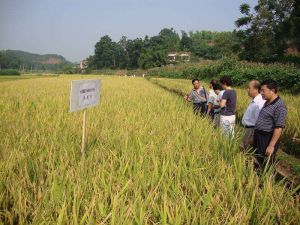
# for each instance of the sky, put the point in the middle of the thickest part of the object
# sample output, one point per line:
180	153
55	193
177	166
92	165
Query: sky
71	28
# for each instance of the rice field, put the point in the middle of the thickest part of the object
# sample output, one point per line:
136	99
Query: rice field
149	160
292	129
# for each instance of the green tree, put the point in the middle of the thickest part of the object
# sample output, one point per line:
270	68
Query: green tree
134	50
119	56
292	26
152	57
109	54
91	64
8	61
169	39
104	53
185	42
204	45
262	32
155	49
226	43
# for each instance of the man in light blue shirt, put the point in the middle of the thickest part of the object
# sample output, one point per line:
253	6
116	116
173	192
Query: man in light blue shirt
252	112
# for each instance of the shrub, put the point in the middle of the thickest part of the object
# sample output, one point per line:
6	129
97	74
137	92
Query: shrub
9	72
286	78
164	72
210	70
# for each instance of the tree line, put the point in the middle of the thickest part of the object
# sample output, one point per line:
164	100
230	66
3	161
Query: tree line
268	32
152	52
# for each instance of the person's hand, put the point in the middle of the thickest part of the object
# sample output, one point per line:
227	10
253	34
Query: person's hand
251	141
269	150
186	97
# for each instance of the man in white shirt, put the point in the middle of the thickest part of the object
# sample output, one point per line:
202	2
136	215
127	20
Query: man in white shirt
252	112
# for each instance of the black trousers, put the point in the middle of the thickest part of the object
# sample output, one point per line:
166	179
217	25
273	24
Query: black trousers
261	141
200	108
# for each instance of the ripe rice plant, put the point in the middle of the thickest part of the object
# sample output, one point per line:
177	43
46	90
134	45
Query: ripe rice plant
149	160
292	129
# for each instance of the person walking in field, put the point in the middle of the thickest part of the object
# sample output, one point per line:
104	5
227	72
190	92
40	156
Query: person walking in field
211	99
252	112
199	98
269	125
228	105
219	93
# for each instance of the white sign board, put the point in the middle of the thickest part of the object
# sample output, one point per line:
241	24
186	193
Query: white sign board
84	94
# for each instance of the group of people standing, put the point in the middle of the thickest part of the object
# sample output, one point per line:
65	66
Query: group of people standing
263	120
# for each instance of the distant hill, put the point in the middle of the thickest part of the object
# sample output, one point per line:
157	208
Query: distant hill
14	59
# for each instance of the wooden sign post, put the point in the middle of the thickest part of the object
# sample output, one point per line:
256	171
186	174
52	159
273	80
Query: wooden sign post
83	142
84	94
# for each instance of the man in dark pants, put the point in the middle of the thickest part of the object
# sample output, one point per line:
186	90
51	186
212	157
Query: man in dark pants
269	125
198	97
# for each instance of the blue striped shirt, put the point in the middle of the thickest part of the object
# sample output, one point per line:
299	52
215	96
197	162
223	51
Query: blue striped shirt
271	116
198	96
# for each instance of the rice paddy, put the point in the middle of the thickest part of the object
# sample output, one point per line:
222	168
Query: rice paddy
149	160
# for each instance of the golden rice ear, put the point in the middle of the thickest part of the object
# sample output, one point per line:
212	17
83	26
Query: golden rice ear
148	158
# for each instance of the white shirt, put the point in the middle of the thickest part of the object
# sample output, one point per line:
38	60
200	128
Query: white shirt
211	97
220	95
218	100
253	110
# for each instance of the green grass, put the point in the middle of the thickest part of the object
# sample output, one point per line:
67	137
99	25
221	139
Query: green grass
292	163
149	160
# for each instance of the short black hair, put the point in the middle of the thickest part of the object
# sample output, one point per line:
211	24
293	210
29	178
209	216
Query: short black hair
195	80
226	80
271	84
212	82
216	86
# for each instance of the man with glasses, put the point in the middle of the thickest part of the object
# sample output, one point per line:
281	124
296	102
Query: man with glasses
269	125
